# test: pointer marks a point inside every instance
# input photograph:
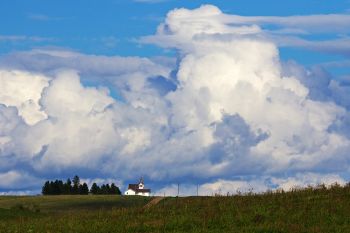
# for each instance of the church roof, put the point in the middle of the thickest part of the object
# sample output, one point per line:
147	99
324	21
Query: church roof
135	187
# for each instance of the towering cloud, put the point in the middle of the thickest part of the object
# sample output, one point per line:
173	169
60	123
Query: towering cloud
229	113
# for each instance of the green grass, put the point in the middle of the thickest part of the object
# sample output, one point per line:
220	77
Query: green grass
54	204
308	210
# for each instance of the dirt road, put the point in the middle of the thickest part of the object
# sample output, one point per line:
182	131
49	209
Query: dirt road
153	202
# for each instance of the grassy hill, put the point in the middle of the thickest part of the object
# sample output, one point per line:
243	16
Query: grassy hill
308	210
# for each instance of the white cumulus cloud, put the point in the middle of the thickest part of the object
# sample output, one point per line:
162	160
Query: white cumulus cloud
229	107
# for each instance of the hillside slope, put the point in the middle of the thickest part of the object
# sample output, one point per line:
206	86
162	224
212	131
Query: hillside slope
308	210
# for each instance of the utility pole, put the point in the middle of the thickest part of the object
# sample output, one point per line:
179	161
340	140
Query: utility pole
178	189
197	190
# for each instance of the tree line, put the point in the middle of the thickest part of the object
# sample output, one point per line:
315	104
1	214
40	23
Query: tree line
74	187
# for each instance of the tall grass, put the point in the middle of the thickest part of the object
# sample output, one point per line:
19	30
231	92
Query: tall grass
313	209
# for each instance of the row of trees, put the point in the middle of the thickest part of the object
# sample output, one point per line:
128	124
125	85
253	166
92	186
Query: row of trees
74	187
105	189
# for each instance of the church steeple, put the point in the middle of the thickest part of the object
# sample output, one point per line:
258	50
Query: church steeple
141	183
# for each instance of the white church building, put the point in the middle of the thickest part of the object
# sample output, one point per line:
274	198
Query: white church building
138	189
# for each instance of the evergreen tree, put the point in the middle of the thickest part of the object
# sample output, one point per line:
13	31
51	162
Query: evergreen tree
76	184
112	190
60	187
95	189
46	188
52	188
56	189
84	189
67	187
115	190
108	189
103	189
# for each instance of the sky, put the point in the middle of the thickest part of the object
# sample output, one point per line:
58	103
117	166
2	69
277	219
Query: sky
227	95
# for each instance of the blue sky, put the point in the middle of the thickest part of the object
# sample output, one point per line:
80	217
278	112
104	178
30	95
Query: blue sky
111	27
222	95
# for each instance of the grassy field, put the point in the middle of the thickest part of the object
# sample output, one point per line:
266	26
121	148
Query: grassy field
308	210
